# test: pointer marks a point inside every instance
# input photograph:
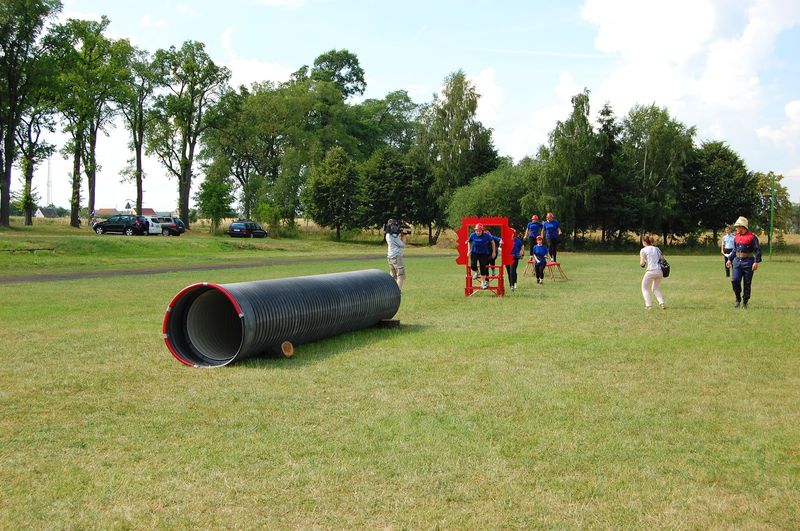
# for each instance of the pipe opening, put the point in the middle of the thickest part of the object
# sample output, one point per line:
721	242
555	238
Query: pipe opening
206	330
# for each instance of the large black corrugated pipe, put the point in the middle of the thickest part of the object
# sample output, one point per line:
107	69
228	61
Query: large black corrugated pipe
211	325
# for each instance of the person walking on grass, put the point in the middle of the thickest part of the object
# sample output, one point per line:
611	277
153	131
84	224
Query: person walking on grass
480	248
648	258
517	252
727	248
744	260
539	259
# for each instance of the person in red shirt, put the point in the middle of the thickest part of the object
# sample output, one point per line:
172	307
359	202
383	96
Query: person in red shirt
744	260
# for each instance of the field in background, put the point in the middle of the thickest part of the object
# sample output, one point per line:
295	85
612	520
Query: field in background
566	405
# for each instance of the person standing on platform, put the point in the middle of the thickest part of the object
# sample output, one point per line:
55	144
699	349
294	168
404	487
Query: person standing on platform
744	260
533	230
539	255
727	247
552	233
480	248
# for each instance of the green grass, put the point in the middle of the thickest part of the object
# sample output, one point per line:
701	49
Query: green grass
565	405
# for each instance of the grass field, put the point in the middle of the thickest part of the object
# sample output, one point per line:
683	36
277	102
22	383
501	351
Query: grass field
566	405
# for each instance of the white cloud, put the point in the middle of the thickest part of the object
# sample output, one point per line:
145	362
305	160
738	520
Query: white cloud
787	135
672	31
526	138
491	93
148	21
245	71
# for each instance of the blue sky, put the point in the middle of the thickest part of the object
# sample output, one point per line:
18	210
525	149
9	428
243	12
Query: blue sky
729	67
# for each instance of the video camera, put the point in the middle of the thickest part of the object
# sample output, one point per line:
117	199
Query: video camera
396	227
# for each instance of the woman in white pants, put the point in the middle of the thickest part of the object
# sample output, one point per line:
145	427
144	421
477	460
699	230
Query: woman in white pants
648	258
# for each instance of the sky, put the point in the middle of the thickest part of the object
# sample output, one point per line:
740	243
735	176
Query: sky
730	68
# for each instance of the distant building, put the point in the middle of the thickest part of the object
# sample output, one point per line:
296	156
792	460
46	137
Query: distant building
44	212
106	212
145	212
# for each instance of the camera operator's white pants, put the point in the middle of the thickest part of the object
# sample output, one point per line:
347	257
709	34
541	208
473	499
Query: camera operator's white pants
652	278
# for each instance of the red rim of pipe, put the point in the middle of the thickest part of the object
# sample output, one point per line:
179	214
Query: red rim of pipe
181	293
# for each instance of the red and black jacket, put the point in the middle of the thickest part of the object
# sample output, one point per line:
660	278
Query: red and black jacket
747	244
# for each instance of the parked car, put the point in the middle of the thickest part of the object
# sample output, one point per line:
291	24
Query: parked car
124	224
246	229
163	226
176	228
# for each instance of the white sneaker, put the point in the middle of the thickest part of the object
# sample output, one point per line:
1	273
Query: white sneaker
484	285
475	276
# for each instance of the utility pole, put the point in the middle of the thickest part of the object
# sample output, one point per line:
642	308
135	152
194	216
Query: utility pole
771	213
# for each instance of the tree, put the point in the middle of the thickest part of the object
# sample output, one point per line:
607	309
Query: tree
654	151
387	188
453	144
331	195
782	206
134	101
488	195
37	118
21	24
193	84
611	213
719	188
214	197
93	68
570	180
341	68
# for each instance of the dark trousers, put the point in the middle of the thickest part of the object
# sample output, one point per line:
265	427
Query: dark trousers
512	272
552	247
539	268
483	260
742	270
532	242
727	270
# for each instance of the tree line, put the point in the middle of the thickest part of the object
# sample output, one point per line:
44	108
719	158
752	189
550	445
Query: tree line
306	147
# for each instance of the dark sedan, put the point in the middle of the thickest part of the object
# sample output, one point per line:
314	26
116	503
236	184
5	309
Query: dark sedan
246	229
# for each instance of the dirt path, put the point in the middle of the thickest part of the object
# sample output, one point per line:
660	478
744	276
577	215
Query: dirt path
80	275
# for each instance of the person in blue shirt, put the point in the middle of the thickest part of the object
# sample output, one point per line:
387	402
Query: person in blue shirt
498	244
727	247
552	233
480	248
539	254
517	252
533	229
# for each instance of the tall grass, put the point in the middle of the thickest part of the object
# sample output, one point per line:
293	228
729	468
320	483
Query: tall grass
566	405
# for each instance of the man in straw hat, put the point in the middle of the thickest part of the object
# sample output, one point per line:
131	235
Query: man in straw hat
744	259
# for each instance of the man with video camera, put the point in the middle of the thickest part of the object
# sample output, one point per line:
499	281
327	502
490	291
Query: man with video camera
395	236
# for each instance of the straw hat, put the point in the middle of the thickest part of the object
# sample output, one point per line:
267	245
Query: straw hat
742	221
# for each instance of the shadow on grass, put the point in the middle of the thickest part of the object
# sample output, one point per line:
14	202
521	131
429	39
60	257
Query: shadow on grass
309	353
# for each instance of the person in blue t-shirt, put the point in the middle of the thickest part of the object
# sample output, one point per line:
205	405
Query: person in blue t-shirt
480	248
517	252
533	229
540	259
552	234
498	244
728	244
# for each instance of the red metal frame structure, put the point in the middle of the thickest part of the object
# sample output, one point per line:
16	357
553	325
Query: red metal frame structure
493	224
